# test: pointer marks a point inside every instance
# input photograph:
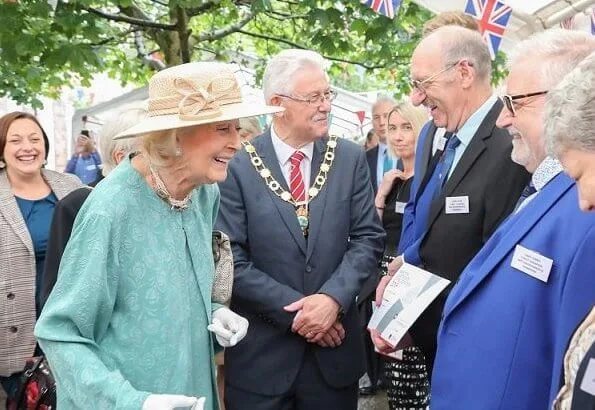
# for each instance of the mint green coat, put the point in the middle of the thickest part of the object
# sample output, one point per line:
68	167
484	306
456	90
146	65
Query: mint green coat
129	313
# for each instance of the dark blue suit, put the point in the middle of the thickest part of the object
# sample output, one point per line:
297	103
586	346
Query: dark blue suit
276	265
503	335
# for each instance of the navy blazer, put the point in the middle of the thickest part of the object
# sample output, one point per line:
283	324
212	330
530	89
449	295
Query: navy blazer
504	333
275	265
423	153
372	158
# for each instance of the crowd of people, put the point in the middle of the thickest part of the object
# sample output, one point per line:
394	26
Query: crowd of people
116	285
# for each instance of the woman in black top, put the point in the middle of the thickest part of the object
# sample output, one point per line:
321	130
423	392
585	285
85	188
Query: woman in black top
406	374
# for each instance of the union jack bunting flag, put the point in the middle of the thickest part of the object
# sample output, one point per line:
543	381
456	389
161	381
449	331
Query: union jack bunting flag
492	17
568	23
387	8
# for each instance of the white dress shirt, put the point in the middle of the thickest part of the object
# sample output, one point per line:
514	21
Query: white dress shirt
284	151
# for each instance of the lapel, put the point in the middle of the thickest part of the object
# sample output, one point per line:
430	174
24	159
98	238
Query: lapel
11	212
317	205
426	154
476	147
374	166
57	183
516	227
266	151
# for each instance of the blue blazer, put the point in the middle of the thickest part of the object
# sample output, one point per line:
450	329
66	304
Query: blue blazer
423	152
503	334
275	265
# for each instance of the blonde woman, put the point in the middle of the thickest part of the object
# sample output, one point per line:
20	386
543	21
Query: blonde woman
127	324
407	377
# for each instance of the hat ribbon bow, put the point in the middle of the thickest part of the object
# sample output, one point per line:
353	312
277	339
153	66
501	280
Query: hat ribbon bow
201	103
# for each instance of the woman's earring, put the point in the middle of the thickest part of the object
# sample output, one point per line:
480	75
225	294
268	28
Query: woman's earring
178	152
45	162
2	164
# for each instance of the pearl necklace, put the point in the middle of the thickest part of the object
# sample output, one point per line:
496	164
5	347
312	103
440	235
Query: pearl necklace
162	192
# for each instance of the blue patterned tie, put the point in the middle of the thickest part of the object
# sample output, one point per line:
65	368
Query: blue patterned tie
388	162
445	164
527	192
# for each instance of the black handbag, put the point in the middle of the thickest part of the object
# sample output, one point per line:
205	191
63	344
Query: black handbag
37	389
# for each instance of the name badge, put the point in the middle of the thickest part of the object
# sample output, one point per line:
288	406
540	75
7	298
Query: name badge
400	207
588	383
457	205
532	263
441	143
91	167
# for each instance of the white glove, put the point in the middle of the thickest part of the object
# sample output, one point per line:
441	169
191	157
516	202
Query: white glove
173	401
229	327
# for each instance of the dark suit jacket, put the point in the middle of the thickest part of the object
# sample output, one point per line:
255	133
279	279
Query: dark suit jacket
372	159
275	265
486	174
66	211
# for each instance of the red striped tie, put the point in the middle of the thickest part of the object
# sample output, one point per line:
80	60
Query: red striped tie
298	190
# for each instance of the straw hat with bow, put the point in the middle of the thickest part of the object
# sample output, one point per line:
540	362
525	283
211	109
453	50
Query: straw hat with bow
194	94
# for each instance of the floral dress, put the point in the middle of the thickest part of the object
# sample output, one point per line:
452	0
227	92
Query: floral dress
129	313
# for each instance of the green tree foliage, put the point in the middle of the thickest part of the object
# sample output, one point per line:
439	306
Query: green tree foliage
43	48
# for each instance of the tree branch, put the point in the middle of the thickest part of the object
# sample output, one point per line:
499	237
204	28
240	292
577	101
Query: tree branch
160	3
296	45
110	39
283	16
206	6
217	34
131	20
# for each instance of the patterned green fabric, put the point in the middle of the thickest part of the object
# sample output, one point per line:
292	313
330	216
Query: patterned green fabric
130	310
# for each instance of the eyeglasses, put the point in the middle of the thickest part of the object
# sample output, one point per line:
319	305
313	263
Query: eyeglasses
317	99
509	100
419	84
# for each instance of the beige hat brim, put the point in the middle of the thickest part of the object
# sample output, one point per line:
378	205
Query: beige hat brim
173	121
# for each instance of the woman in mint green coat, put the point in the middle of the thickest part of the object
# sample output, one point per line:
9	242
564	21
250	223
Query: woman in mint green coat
126	324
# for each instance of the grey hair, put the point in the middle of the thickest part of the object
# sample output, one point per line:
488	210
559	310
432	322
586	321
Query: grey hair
460	43
570	111
556	52
126	118
251	125
278	74
382	99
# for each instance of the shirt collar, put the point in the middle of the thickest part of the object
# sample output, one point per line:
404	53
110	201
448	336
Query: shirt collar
545	172
470	127
284	150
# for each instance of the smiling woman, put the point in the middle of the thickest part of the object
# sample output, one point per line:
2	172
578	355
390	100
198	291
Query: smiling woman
127	323
28	196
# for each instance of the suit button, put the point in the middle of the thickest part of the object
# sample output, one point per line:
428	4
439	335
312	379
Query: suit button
13	329
308	269
10	296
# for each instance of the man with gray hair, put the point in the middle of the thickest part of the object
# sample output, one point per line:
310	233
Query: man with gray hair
508	320
299	210
470	185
